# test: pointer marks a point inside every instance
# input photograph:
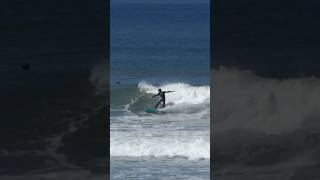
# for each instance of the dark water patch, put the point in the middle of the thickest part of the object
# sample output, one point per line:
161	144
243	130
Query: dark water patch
263	150
19	165
66	112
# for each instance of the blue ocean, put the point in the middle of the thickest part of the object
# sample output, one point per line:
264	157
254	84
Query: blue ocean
159	44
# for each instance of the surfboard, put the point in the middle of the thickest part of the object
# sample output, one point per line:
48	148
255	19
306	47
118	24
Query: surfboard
151	110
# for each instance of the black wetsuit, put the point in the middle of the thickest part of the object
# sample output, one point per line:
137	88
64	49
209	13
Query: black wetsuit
163	99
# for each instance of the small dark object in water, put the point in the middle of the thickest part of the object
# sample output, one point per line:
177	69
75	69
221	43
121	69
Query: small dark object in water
118	82
25	66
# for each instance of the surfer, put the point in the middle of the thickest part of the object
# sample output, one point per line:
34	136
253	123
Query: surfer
163	97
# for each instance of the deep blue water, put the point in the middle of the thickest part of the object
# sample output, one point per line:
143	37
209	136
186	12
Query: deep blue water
160	42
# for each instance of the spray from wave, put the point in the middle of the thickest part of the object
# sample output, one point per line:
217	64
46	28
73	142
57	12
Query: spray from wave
243	100
98	78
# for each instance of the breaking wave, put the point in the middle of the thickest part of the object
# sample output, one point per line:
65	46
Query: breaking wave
243	100
185	98
161	147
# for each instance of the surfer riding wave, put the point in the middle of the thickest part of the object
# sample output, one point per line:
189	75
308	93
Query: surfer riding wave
162	94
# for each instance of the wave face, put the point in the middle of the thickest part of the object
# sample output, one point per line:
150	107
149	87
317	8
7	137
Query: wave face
182	130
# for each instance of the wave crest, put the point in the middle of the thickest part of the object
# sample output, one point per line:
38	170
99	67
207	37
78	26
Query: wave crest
185	98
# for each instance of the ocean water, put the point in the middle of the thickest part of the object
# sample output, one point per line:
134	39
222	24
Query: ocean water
159	45
52	119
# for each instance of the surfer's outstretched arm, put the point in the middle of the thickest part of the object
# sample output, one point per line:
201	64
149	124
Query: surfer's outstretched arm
156	95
